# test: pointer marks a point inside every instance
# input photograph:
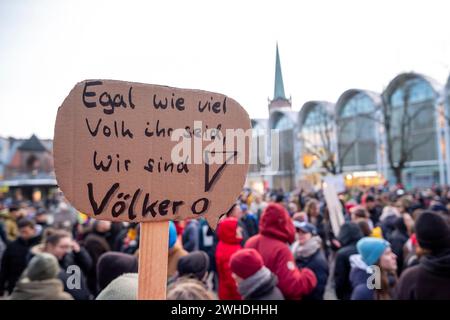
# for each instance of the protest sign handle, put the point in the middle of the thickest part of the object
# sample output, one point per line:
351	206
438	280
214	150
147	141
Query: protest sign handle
153	257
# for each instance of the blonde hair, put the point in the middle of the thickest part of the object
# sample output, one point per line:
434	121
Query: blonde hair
309	204
189	289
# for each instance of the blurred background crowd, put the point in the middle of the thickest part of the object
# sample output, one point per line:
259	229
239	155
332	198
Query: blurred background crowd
393	244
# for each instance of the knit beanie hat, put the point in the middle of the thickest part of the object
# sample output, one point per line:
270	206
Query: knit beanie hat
432	231
195	263
246	262
43	266
111	265
124	287
371	249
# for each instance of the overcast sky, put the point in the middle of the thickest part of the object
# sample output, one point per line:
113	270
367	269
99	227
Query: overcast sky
326	47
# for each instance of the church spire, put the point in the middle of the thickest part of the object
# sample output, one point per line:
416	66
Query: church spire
278	92
279	98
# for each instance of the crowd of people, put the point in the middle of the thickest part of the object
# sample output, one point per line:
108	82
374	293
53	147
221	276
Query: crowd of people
394	244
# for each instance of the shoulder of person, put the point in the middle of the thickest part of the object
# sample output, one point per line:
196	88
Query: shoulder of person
410	273
361	292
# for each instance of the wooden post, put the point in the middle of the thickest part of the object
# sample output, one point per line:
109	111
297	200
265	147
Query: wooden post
153	257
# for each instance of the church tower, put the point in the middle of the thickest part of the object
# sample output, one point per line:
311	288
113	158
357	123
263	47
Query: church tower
279	98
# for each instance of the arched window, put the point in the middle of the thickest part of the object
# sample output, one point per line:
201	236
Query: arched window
414	98
316	126
417	91
317	136
356	131
358	104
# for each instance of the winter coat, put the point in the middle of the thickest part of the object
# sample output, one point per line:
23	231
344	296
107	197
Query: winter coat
429	280
208	242
249	224
82	259
3	237
358	279
276	230
50	289
228	244
311	256
397	240
260	286
14	261
388	225
9	225
190	237
348	237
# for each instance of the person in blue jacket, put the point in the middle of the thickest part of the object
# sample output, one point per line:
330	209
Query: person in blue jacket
373	275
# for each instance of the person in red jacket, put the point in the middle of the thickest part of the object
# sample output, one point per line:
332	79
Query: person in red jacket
230	237
276	231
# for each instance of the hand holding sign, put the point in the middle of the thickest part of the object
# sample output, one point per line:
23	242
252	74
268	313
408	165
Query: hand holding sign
146	153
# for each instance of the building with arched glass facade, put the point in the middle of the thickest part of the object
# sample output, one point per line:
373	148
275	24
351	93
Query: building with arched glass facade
364	136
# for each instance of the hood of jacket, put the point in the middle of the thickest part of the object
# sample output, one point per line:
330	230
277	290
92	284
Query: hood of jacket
227	231
276	223
358	273
438	264
350	233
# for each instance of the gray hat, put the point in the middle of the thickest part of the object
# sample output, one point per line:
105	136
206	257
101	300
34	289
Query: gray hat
43	266
125	287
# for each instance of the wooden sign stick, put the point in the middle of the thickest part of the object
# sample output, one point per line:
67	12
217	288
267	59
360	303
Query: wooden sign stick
153	257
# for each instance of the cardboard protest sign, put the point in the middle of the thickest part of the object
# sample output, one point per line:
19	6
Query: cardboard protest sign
336	180
334	207
138	152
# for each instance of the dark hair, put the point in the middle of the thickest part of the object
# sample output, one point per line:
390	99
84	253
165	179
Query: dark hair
279	198
360	212
13	208
24	222
53	236
370	198
365	228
